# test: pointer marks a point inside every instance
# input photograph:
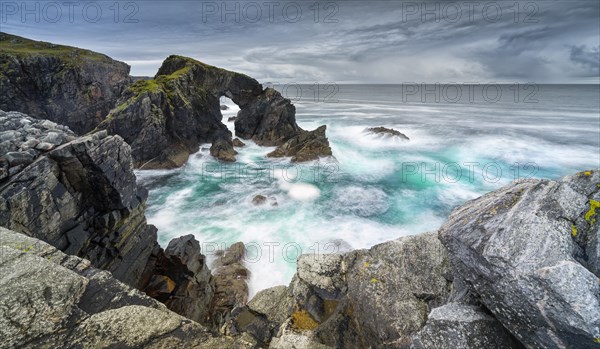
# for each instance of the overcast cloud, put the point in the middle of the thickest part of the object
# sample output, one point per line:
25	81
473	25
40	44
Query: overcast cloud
338	41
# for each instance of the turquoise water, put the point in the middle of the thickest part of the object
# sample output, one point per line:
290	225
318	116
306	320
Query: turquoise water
376	188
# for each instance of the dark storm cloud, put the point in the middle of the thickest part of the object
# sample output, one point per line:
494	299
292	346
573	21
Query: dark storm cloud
346	41
589	58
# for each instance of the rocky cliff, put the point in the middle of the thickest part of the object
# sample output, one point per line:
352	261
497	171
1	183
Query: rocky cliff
67	85
80	195
166	119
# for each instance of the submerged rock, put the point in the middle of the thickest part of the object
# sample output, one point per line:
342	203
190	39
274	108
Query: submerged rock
224	107
231	118
262	200
306	146
387	132
530	252
68	85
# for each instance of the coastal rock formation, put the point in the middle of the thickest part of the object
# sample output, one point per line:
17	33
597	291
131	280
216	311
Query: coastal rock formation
67	85
79	195
269	119
165	119
305	146
222	147
179	278
530	253
387	132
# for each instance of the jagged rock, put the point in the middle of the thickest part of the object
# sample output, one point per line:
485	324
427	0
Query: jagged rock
306	146
530	252
179	278
224	107
68	85
231	118
238	143
263	315
269	119
231	288
460	326
222	147
80	197
16	158
387	132
378	297
51	299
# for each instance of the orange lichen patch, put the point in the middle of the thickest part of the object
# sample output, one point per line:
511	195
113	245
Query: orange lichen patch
302	320
587	173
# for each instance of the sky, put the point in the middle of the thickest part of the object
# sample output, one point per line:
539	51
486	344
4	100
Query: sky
333	41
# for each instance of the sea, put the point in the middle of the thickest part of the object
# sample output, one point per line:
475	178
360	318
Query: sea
464	140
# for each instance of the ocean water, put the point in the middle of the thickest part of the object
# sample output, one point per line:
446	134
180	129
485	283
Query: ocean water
464	141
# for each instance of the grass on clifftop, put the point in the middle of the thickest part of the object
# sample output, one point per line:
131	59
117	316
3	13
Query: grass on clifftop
19	46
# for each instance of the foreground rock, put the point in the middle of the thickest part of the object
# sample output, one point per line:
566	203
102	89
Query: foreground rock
67	85
387	132
51	299
305	146
368	298
80	196
530	253
461	326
